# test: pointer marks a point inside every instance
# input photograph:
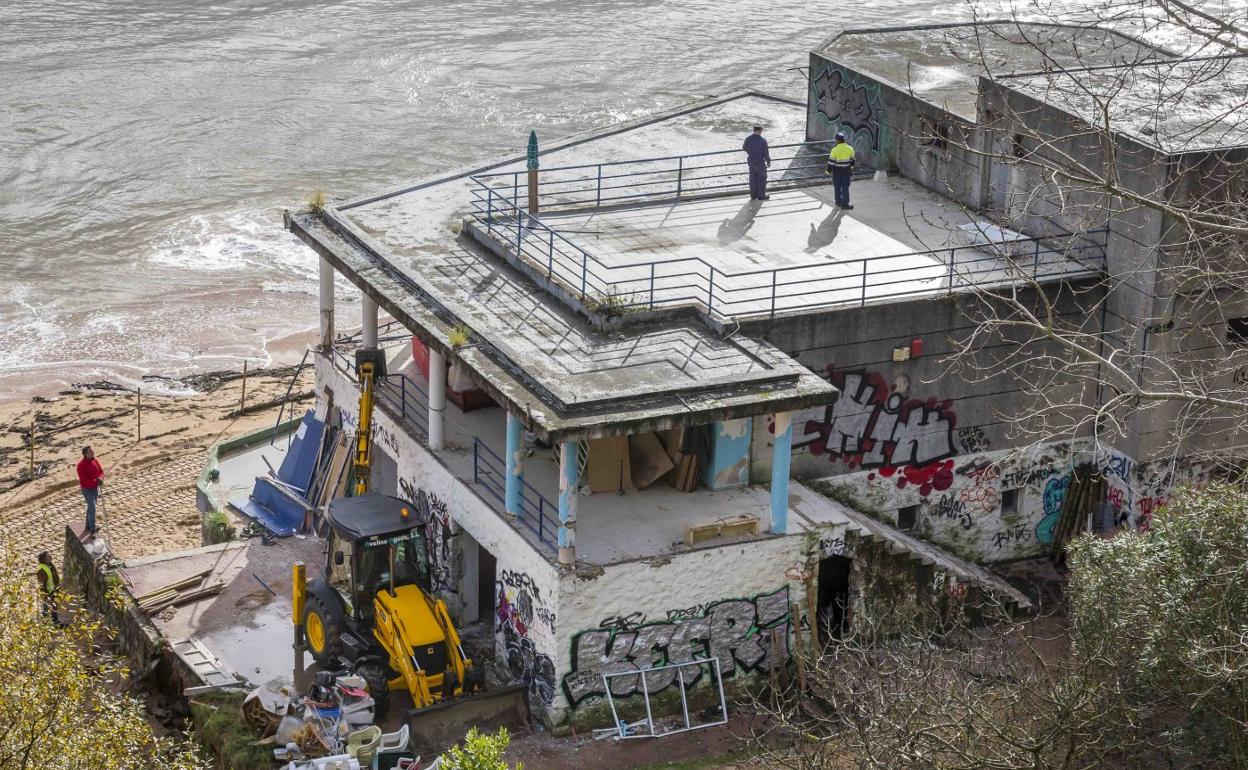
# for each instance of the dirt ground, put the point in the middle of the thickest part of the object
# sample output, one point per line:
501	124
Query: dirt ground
713	748
149	490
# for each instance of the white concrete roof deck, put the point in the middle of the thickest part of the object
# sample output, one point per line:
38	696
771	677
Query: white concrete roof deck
531	351
797	252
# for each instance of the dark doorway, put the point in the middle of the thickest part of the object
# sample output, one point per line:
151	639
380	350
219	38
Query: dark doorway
833	596
487	590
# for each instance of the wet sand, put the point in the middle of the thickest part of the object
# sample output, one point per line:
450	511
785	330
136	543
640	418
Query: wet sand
149	492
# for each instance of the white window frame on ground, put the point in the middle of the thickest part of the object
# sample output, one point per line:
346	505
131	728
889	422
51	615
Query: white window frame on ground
625	729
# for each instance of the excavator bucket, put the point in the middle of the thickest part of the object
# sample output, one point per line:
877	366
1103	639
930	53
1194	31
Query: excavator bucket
442	725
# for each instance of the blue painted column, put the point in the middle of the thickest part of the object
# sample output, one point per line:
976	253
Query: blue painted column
569	476
515	466
781	453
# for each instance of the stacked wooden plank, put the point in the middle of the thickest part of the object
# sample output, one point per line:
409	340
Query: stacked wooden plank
1087	489
333	466
184	591
742	524
684	472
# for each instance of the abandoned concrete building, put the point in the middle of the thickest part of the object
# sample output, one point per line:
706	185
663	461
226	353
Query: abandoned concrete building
650	420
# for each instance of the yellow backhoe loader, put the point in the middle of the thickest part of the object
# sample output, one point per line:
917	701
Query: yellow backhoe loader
372	610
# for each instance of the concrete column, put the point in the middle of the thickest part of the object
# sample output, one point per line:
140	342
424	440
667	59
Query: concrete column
729	465
327	305
515	466
369	307
569	475
781	453
437	398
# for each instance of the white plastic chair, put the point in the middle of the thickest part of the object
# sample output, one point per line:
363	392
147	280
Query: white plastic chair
396	741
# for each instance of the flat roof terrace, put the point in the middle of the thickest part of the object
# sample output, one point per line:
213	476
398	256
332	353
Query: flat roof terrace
608	309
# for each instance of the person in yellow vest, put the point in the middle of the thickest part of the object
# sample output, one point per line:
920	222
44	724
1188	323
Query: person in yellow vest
841	167
49	584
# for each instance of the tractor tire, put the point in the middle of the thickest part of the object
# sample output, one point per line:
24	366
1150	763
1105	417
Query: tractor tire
323	632
377	683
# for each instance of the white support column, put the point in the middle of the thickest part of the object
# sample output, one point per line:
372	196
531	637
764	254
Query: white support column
369	307
437	399
327	305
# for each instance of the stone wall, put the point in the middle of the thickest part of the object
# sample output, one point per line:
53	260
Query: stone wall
92	580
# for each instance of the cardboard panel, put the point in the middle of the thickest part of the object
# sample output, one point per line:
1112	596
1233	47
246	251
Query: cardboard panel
609	467
649	459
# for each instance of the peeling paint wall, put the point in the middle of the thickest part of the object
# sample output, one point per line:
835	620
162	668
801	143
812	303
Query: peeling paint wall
730	457
527	587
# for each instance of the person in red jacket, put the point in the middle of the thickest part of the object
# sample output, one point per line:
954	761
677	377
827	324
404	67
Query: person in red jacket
90	477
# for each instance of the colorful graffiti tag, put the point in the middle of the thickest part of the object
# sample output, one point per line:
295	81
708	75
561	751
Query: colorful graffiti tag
520	613
870	426
1054	496
737	632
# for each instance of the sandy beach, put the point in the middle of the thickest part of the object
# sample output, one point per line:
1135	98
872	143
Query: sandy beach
149	492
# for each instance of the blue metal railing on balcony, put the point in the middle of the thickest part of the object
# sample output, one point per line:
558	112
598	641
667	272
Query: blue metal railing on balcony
537	514
499	202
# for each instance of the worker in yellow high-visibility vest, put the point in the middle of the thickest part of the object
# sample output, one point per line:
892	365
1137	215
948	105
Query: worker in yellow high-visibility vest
841	167
49	583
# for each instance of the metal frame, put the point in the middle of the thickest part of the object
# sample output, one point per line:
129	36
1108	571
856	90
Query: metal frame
623	727
647	285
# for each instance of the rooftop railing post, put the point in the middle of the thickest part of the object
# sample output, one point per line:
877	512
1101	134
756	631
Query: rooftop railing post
1035	260
773	293
515	192
680	174
863	299
519	234
652	285
489	211
710	291
550	253
598	194
952	257
584	264
541	518
403	396
476	478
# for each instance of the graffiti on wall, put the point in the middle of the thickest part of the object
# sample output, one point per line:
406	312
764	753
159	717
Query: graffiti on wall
850	106
737	632
522	618
432	513
1053	497
872	426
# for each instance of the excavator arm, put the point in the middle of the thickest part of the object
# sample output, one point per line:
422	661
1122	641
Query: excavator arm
370	366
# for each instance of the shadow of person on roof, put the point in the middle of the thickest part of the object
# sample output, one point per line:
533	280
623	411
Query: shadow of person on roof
732	230
825	233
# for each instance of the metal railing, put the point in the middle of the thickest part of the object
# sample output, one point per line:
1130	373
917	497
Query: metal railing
405	399
490	472
594	185
499	202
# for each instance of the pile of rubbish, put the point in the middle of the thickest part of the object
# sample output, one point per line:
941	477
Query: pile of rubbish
329	728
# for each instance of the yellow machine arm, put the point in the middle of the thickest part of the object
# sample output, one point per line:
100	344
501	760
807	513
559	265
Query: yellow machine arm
364	434
393	614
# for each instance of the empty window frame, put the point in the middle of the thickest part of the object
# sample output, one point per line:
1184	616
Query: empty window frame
907	517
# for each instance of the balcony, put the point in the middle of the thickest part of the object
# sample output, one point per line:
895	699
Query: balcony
611	527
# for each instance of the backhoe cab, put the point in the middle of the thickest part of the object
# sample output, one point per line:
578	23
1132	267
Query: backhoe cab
372	610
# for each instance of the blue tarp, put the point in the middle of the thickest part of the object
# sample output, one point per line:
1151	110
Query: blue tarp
300	461
281	508
278	511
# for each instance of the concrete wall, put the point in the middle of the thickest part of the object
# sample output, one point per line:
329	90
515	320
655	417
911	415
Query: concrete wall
90	579
460	524
916	433
889	129
718	601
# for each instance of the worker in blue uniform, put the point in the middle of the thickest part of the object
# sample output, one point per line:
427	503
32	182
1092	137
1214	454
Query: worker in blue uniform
759	158
841	167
